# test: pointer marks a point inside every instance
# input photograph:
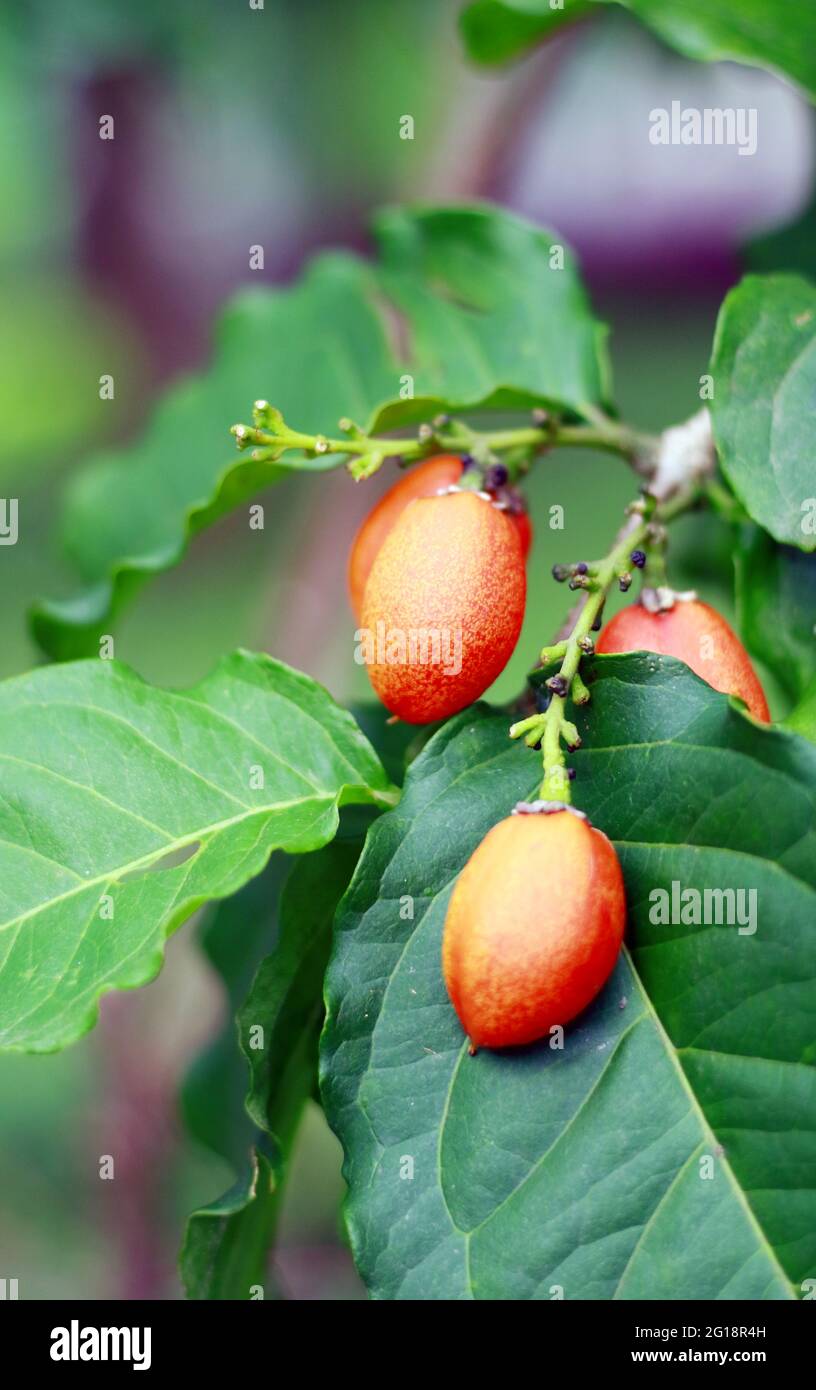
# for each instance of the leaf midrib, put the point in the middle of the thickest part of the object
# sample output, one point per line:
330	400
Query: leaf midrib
738	1191
204	834
649	1015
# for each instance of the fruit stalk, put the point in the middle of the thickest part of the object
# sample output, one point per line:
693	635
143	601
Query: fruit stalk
269	436
551	729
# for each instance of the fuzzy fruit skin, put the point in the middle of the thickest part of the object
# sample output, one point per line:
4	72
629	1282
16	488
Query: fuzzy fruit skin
452	565
680	632
423	480
525	529
533	929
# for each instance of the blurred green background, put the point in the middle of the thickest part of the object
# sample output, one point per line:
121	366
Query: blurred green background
235	126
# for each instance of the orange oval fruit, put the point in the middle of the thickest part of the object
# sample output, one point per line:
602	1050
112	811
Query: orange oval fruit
697	634
533	928
443	606
422	480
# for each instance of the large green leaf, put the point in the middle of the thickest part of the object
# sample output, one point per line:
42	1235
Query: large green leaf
487	320
764	368
226	1247
123	808
493	318
776	607
779	34
519	1174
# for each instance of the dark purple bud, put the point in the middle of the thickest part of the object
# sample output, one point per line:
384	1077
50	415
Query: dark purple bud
560	572
468	462
638	557
582	567
557	685
571	773
496	476
598	623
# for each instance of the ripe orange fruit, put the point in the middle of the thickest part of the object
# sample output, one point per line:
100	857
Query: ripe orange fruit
525	530
422	480
443	605
533	928
698	635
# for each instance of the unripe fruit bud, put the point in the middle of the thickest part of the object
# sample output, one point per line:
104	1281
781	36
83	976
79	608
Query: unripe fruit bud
688	631
450	573
533	928
422	480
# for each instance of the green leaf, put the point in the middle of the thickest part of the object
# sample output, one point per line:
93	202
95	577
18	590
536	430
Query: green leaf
761	33
776	607
513	1175
125	807
764	369
319	347
226	1246
497	30
395	743
467	304
235	936
493	318
802	719
279	1022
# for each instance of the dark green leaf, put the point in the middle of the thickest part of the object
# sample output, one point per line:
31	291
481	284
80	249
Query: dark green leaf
396	743
226	1245
762	33
280	1020
235	937
764	368
776	607
802	719
487	320
125	807
513	1175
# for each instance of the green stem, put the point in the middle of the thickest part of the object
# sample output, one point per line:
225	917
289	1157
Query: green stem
551	728
271	436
